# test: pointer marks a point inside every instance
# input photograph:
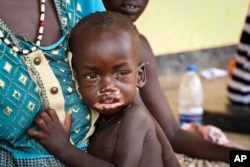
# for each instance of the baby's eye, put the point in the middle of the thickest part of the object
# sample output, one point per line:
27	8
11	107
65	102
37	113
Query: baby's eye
91	76
120	74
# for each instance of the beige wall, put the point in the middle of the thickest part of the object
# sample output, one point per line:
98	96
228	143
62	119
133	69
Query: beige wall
183	25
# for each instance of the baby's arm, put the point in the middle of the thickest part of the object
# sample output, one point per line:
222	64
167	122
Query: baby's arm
168	154
131	135
55	138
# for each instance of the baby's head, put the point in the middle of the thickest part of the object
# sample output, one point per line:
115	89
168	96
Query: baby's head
106	49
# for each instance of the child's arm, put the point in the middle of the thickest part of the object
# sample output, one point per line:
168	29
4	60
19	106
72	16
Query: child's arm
168	155
55	138
131	136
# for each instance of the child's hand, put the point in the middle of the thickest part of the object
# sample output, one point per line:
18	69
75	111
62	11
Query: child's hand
52	135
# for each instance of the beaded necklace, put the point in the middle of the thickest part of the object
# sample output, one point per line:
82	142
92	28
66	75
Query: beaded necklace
14	45
39	36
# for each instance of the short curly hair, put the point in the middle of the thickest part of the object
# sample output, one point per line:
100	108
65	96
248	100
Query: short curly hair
107	19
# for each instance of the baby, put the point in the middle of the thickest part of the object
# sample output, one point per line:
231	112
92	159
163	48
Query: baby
106	48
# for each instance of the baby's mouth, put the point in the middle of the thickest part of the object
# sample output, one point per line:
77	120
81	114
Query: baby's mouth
108	99
109	102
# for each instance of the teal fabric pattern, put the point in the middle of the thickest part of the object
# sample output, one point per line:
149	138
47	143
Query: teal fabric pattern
20	100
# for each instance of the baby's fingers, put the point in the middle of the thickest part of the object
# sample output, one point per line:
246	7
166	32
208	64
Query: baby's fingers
51	113
43	122
34	133
67	123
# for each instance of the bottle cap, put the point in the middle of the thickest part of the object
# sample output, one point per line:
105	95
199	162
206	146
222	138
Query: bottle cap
191	68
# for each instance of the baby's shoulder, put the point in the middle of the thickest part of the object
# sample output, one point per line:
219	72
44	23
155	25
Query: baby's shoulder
137	113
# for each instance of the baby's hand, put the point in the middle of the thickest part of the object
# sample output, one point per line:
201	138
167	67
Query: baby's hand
52	134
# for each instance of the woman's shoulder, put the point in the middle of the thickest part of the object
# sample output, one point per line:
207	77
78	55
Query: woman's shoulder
87	6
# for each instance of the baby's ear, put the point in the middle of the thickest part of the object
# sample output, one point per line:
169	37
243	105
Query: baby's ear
141	77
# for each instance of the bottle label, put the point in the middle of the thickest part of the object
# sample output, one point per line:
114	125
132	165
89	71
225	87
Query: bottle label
190	118
191	110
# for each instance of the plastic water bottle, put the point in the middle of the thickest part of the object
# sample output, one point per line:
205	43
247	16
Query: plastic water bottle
190	97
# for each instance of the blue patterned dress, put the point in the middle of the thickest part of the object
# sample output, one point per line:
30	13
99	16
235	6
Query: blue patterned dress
28	87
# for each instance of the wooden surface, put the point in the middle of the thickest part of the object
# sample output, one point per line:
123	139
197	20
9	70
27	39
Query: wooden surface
215	104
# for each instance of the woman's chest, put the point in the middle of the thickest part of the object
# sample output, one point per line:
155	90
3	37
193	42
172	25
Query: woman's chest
26	18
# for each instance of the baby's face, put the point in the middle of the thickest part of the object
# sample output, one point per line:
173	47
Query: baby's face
106	69
130	8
